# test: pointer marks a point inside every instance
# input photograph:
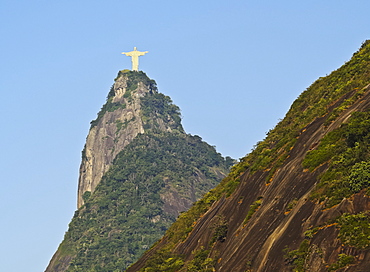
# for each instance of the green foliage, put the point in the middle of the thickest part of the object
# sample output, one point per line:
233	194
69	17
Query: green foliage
331	145
311	232
358	129
230	161
346	150
109	106
354	230
231	186
83	153
359	176
184	224
157	105
343	261
165	262
132	79
125	216
201	262
252	209
315	102
219	231
291	205
122	125
86	196
297	258
128	94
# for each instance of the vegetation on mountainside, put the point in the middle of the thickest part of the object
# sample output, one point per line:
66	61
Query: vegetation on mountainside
345	149
135	202
109	106
297	258
201	262
125	215
343	261
133	79
159	105
354	230
252	209
350	79
180	229
219	230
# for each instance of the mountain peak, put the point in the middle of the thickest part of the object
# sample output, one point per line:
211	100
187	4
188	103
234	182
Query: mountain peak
133	106
139	171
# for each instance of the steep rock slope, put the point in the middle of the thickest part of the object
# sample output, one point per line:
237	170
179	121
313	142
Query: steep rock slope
118	123
299	202
139	171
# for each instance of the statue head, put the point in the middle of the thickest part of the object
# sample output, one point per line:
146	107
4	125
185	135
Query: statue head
135	49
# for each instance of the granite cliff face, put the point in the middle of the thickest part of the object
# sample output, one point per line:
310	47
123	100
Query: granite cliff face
118	123
299	202
139	171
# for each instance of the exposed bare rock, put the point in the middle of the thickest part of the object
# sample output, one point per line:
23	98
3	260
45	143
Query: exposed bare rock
293	205
114	130
139	171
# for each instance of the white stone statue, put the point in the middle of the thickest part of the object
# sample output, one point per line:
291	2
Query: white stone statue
135	58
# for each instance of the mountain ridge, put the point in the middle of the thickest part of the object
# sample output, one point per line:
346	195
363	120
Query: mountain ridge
296	201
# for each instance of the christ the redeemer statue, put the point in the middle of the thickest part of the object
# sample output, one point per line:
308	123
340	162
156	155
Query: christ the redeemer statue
135	58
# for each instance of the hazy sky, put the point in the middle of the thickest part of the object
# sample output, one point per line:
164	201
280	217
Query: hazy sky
233	67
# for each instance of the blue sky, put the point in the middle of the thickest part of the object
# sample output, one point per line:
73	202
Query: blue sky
233	67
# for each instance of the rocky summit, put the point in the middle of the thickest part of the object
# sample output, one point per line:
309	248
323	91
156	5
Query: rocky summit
139	171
